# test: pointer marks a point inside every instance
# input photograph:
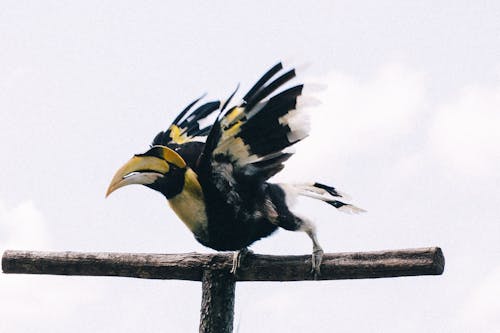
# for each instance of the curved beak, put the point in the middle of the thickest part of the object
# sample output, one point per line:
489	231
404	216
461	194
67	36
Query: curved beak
138	170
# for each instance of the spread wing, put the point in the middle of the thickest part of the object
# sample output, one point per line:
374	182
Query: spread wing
248	143
187	126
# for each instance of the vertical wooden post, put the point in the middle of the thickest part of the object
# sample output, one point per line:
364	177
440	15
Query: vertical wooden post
217	303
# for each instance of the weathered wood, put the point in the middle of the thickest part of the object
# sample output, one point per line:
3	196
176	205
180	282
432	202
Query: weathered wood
217	302
218	285
257	267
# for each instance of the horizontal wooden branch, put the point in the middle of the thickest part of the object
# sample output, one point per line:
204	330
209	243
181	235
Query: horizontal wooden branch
256	267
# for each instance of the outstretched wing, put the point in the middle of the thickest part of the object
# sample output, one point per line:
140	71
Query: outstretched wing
187	127
249	142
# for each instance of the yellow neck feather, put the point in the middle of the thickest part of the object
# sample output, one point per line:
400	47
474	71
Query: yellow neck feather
189	205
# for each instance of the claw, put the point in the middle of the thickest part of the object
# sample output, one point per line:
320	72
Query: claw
317	257
238	258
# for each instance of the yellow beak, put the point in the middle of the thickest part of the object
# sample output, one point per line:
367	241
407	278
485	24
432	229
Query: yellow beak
138	170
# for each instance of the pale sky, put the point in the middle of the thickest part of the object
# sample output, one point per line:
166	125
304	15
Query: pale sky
408	126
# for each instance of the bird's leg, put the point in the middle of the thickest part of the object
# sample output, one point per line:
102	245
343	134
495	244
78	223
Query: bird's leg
317	254
238	258
317	258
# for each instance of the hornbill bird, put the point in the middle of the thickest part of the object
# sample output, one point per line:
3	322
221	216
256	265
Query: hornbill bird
215	177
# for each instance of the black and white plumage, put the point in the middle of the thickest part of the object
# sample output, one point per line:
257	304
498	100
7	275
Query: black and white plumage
215	177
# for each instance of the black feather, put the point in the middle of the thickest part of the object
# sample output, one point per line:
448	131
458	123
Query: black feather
230	98
201	112
266	77
327	188
270	88
336	203
190	125
183	112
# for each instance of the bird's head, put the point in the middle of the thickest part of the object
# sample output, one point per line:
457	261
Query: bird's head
160	168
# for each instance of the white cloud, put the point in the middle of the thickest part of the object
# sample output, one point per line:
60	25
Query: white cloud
481	311
388	123
465	134
22	227
411	165
29	303
361	119
358	113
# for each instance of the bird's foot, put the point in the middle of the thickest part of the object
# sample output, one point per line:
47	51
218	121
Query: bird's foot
317	257
238	258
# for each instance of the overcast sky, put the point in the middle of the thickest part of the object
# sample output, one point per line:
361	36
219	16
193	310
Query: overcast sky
409	126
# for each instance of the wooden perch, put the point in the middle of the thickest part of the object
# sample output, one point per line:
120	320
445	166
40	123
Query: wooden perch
218	285
256	267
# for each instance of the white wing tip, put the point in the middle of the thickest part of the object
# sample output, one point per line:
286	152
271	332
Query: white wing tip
307	101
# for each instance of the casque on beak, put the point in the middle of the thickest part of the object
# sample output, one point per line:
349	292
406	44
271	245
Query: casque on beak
146	168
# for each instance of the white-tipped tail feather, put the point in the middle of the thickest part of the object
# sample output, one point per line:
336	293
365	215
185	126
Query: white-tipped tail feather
351	209
321	192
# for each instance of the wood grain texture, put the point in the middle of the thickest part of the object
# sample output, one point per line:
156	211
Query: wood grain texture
256	267
217	302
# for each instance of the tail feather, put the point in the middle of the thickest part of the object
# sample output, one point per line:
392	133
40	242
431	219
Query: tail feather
345	207
327	194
